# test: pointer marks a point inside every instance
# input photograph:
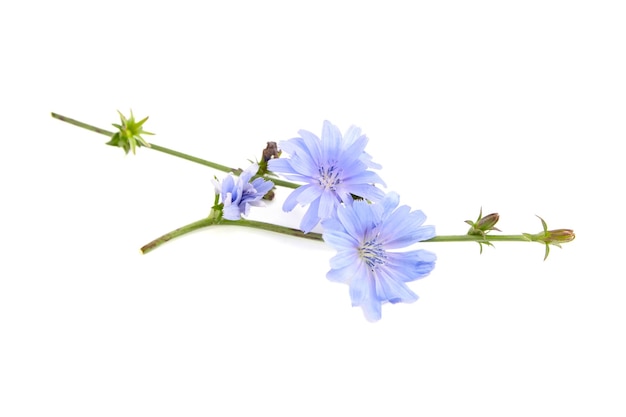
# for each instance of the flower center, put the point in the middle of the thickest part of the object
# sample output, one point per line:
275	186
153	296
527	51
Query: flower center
372	253
329	176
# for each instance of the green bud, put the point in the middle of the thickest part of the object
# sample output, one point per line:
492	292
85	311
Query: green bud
559	236
483	225
551	237
128	136
488	222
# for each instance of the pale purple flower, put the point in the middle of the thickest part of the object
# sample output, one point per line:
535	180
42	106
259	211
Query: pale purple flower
366	237
333	169
237	194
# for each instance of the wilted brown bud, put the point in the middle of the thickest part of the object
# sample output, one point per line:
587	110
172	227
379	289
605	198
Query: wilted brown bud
271	151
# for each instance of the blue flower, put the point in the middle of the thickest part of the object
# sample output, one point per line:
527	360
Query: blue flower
238	194
365	236
333	169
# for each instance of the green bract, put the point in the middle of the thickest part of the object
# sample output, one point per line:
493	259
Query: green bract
482	226
551	237
129	135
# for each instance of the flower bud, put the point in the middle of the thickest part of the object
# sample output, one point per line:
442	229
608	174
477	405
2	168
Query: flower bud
488	222
551	237
483	225
559	236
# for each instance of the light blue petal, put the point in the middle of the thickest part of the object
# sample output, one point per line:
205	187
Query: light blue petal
312	145
249	172
293	146
292	200
350	138
366	191
360	285
340	240
297	178
339	275
391	201
363	177
401	227
331	142
280	165
336	236
310	218
357	146
262	186
425	263
332	225
372	308
367	160
309	194
351	135
343	275
344	258
396	223
410	266
232	212
305	165
392	290
355	219
244	209
301	162
406	237
228	183
343	196
350	167
328	204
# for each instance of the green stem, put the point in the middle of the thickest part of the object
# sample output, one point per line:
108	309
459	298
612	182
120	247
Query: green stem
176	233
172	152
477	238
274	228
83	125
200	161
212	220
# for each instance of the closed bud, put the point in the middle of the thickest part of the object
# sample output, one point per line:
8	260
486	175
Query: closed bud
559	236
483	225
488	222
551	237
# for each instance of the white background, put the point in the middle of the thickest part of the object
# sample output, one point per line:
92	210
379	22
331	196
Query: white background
515	107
